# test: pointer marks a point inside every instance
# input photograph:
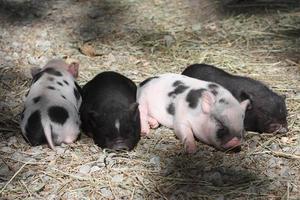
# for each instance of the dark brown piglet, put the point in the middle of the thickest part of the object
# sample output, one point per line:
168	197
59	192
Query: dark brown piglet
267	112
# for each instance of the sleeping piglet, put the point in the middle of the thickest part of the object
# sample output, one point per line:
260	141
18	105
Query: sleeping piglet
267	112
193	108
51	108
109	111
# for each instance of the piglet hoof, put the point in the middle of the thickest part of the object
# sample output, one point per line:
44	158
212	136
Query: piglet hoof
145	131
153	122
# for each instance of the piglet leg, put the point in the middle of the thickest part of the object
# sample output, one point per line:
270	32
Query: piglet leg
186	136
153	122
145	129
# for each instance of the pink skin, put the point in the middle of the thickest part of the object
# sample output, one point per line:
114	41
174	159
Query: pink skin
73	69
188	122
153	122
145	128
234	142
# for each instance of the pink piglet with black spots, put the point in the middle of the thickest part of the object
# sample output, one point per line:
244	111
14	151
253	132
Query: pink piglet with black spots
193	108
50	113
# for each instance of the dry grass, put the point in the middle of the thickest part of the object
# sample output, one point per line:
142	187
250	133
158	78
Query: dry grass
145	38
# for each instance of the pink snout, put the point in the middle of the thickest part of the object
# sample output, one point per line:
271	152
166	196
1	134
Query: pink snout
234	142
70	139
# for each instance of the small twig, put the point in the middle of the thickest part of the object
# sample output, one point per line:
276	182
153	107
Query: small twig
7	130
292	62
71	175
7	85
132	194
285	155
148	190
28	162
112	191
13	177
22	182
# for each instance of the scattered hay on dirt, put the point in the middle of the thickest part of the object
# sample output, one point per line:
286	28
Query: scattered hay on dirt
142	39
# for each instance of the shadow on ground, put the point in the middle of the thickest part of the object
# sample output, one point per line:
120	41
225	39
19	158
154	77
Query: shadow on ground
262	7
19	11
194	177
10	102
104	20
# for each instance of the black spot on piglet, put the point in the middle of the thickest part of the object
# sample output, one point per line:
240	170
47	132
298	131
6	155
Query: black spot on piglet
52	72
222	100
193	97
178	90
37	77
77	94
47	70
77	91
34	129
171	109
222	133
176	83
147	80
58	114
66	82
59	83
51	87
213	88
36	99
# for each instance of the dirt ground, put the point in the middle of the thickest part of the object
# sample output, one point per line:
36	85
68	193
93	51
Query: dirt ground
142	38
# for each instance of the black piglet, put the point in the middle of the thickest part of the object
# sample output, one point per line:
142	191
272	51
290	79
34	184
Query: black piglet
109	111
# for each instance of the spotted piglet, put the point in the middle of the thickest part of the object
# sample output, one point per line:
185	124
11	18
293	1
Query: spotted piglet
193	108
50	113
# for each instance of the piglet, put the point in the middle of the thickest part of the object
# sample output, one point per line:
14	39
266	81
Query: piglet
109	111
51	107
193	108
267	112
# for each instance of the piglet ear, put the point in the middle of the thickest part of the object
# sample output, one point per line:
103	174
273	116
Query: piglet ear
34	71
246	96
246	104
207	102
73	69
134	109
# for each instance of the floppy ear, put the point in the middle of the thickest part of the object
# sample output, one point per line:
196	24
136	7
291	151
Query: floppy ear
244	96
207	101
73	69
134	109
245	104
34	71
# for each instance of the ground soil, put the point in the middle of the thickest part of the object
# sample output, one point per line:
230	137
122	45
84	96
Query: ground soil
142	38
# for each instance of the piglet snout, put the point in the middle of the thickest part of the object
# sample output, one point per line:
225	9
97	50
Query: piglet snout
70	139
283	130
119	145
278	128
233	143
